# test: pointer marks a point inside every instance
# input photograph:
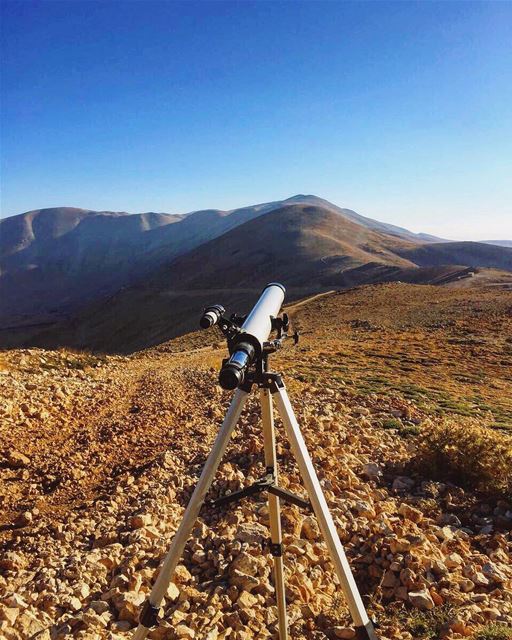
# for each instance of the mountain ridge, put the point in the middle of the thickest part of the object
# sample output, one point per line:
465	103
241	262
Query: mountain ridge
118	281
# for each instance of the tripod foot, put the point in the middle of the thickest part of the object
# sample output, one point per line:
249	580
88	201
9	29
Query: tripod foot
149	615
366	633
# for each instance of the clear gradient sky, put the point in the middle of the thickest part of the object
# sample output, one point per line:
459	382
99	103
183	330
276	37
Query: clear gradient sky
401	111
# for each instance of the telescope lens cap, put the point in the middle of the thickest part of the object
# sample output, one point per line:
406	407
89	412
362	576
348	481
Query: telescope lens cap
230	377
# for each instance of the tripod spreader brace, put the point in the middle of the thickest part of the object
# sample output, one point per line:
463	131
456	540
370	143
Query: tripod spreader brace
267	483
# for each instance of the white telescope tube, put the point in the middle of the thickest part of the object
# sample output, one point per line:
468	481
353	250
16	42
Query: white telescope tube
258	324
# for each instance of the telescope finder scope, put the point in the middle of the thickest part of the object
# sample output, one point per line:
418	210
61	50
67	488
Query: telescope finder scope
211	315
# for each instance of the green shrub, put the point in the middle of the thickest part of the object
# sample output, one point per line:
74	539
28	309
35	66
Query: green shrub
392	423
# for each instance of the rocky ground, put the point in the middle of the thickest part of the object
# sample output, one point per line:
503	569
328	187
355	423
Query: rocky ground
100	454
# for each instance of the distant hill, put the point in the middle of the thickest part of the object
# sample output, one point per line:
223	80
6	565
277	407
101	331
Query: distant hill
499	243
310	248
369	223
475	254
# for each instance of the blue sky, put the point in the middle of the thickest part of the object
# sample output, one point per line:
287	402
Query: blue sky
401	111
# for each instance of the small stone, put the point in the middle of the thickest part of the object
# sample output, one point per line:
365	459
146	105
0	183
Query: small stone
403	483
453	560
182	631
365	509
75	604
122	625
448	518
83	590
16	460
344	632
182	574
99	606
491	613
421	599
246	600
25	518
252	532
445	533
491	571
479	579
372	471
466	585
139	521
389	580
128	605
199	557
459	626
9	613
172	591
310	528
412	514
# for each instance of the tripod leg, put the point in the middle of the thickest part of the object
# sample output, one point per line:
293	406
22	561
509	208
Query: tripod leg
148	617
363	625
274	511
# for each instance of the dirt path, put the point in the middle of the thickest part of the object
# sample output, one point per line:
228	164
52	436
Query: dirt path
113	422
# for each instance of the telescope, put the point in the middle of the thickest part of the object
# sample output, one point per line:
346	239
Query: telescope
247	367
248	336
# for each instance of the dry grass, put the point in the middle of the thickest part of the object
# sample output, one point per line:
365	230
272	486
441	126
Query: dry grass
493	632
463	451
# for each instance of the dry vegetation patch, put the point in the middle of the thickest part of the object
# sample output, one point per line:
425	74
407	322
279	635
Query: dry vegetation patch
466	452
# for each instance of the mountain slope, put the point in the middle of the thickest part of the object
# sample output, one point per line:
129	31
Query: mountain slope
475	254
369	223
499	243
100	454
37	236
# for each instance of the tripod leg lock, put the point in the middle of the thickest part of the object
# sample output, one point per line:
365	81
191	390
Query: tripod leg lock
149	615
275	548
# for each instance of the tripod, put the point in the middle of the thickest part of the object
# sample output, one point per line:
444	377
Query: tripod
271	388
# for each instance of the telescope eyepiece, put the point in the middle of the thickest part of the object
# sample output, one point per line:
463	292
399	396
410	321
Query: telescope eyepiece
233	371
230	377
211	315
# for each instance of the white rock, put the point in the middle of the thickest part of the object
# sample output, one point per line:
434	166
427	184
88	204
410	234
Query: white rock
421	599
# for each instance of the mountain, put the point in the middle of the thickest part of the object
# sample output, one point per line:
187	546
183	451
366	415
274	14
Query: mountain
112	281
308	248
475	254
369	223
53	261
499	243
